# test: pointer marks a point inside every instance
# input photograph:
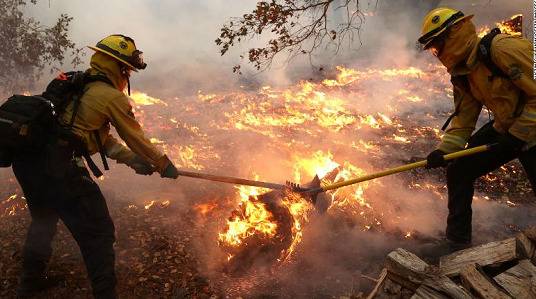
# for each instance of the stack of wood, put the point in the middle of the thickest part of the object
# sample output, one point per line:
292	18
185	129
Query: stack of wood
502	269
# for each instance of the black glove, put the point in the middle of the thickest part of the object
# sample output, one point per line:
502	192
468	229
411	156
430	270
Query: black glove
509	142
170	171
435	159
141	166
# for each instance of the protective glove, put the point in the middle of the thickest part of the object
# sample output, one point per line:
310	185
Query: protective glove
435	159
170	171
509	142
141	166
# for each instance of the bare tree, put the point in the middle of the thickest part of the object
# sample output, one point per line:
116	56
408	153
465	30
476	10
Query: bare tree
296	27
27	47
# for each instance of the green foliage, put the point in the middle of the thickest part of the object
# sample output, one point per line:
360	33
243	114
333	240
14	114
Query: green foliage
27	47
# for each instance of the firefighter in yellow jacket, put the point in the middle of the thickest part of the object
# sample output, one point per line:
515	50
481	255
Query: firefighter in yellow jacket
495	71
57	185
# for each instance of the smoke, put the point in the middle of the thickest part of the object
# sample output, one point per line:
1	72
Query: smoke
177	38
337	250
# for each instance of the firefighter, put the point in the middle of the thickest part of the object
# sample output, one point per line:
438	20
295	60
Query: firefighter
57	184
495	71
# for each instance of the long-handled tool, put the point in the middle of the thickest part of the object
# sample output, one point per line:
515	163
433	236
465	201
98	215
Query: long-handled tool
467	152
240	181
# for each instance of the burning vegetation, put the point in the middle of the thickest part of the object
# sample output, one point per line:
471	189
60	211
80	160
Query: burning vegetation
367	120
357	121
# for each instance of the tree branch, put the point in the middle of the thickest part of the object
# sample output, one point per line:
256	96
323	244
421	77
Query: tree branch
296	27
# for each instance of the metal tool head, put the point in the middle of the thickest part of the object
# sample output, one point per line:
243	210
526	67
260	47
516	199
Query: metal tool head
309	191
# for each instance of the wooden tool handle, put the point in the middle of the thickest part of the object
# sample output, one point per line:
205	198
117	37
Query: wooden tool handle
455	155
231	180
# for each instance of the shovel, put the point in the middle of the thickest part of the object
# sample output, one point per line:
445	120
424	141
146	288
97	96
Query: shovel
313	193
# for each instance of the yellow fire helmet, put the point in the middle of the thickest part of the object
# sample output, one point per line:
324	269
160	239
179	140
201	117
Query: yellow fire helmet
123	49
437	21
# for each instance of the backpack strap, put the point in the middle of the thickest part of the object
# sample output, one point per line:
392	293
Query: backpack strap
102	78
460	82
82	79
91	164
98	77
484	54
101	150
76	104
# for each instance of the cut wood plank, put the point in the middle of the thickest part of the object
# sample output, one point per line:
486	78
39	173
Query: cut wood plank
519	281
473	279
425	292
410	271
379	284
440	287
444	285
530	232
493	253
527	244
402	264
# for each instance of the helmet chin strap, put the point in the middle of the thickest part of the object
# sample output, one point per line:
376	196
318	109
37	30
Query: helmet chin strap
125	73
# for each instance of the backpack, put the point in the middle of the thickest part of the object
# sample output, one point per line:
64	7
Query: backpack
484	56
28	123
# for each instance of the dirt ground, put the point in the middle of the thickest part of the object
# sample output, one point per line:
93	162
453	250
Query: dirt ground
153	259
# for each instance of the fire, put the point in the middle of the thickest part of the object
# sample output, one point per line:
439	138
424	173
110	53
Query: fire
304	109
13	204
299	208
250	218
253	218
149	205
205	208
319	164
401	139
142	99
334	129
153	203
512	26
483	31
348	76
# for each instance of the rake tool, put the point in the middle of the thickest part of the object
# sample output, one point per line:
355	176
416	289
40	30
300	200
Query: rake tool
240	181
312	193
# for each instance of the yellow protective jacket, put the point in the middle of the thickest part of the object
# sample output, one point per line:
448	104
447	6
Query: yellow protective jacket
512	100
102	105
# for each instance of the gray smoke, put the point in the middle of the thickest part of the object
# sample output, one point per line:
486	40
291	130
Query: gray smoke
177	38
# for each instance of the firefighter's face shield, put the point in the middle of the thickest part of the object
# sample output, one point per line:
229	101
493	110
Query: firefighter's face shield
436	45
137	60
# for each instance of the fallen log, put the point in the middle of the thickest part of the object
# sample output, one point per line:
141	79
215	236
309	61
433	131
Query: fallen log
473	279
519	281
489	254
